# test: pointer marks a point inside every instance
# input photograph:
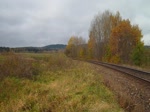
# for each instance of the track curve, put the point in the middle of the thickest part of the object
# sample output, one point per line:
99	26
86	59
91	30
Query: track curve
138	74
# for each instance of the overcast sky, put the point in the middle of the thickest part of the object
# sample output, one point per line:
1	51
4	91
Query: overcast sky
44	22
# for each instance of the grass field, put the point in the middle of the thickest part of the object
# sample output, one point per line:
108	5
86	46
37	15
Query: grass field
52	83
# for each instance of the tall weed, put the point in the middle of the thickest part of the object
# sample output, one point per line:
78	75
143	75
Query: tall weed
18	66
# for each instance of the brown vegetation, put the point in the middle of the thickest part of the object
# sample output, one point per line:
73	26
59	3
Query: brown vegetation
56	84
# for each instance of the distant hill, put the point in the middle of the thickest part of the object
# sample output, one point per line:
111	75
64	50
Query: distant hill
55	46
35	49
147	46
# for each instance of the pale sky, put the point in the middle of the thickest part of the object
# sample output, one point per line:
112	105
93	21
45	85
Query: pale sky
44	22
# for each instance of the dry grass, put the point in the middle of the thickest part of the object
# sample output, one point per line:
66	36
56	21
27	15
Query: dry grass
62	85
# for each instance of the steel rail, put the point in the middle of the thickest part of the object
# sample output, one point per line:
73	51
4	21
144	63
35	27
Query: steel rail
138	74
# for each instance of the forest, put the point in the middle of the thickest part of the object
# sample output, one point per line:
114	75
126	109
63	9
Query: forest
111	39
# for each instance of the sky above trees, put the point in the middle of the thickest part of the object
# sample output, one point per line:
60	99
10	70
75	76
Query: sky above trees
44	22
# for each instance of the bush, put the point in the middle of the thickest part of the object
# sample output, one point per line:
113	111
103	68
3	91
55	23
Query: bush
137	55
16	65
30	65
115	59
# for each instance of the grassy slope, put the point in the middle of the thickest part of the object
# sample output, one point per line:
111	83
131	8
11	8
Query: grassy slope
63	85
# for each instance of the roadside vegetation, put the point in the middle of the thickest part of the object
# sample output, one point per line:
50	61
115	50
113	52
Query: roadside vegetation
51	82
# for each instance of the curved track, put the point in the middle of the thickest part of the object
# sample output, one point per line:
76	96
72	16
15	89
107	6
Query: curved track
138	74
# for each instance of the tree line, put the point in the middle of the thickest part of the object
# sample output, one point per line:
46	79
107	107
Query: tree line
111	39
53	47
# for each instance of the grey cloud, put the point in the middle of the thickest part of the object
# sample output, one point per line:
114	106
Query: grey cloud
38	23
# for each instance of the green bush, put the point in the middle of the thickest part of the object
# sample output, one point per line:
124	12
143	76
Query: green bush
137	55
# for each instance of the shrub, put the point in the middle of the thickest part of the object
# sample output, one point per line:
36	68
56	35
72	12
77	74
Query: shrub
18	66
137	55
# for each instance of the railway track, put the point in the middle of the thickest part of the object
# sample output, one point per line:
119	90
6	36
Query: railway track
134	84
138	74
132	87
